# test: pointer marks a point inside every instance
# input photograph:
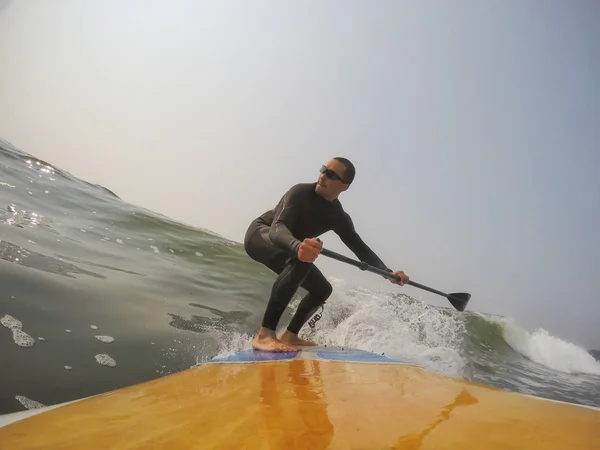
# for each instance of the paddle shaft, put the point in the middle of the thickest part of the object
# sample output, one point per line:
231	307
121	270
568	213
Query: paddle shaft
364	266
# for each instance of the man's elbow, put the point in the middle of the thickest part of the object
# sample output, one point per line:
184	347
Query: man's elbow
281	239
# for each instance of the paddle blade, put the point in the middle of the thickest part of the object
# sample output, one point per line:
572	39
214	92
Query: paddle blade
459	300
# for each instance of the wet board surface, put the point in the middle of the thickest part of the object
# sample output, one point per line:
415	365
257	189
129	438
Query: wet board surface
313	399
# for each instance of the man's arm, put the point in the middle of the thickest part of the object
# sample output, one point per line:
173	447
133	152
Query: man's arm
286	214
354	242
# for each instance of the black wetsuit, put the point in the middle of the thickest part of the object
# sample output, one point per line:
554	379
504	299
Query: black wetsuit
273	239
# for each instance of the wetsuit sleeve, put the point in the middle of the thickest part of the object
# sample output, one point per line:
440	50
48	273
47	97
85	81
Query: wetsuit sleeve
286	214
345	230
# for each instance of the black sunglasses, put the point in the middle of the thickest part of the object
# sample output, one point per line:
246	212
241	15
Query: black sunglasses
330	174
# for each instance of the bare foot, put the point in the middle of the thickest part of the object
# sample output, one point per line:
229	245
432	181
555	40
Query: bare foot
266	341
290	338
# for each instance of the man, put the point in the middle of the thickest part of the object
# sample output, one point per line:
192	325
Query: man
285	240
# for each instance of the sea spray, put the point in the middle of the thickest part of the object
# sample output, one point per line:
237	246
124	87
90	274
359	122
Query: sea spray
550	351
391	324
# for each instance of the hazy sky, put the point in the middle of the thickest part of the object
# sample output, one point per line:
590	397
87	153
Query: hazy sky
474	126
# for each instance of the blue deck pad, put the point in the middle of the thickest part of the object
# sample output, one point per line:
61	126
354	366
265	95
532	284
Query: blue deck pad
257	356
350	355
314	353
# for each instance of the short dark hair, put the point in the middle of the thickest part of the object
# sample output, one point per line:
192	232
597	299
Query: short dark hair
350	171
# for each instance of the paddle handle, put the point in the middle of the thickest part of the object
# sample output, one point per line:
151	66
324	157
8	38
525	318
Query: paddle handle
364	266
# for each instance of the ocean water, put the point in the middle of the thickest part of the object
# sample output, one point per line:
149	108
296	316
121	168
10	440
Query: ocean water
98	294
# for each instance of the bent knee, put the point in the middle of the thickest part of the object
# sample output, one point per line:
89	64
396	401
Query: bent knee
324	292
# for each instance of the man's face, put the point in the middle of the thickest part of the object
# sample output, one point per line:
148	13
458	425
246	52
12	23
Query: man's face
330	183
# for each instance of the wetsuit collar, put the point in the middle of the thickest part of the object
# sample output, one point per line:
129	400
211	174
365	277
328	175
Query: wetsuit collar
314	185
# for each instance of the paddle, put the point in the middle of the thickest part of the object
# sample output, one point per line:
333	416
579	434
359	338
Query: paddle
458	300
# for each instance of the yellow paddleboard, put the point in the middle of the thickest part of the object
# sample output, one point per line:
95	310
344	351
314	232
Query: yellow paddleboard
318	398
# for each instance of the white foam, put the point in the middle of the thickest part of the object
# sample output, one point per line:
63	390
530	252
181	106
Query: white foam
230	342
393	325
20	338
105	339
28	403
68	331
233	342
171	250
119	241
93	327
550	351
105	360
41	338
10	322
155	249
68	367
199	254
